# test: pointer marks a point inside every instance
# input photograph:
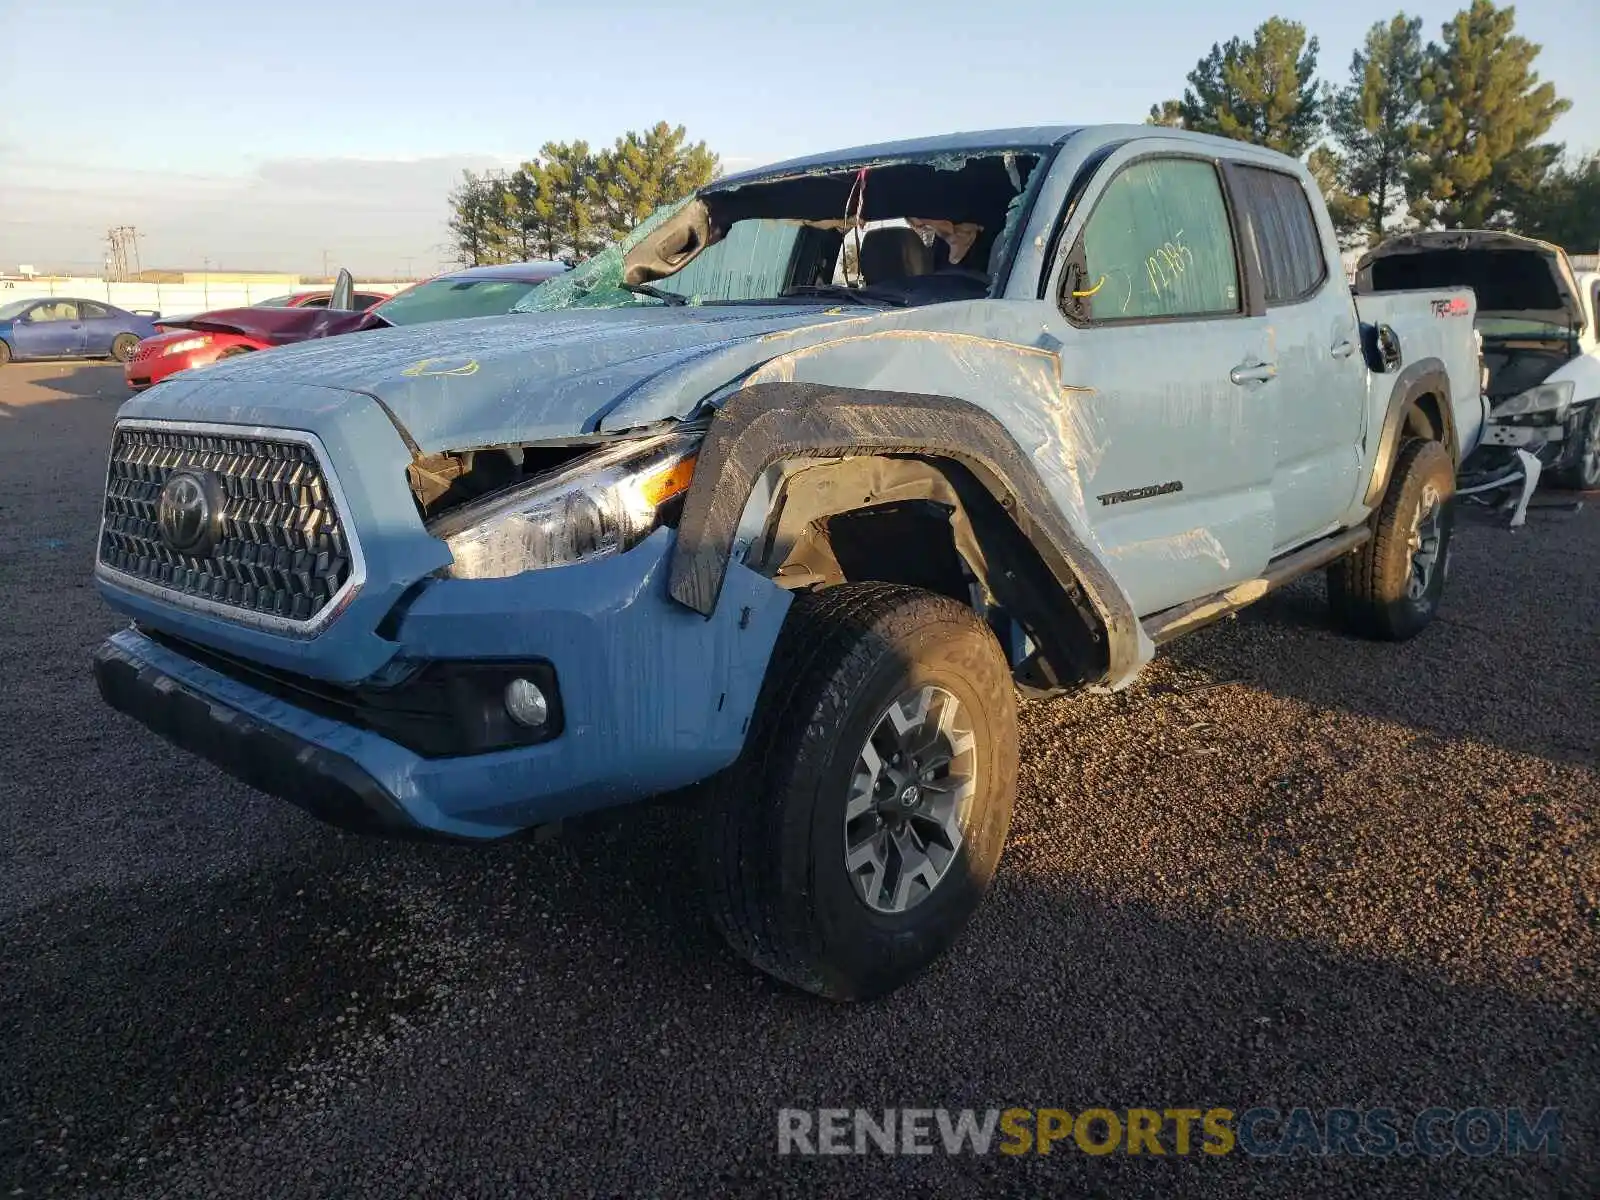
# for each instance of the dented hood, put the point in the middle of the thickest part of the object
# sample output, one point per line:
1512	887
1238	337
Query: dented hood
1512	276
537	376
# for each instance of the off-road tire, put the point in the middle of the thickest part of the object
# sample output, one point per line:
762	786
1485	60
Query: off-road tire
1367	590
123	346
1583	473
5	354
773	849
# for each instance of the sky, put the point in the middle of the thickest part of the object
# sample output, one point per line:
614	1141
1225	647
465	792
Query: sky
281	136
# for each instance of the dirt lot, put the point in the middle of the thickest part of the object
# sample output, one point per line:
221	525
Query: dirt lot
1352	875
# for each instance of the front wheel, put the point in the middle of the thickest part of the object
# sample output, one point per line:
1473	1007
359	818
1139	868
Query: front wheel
1583	473
1391	587
5	354
858	832
123	346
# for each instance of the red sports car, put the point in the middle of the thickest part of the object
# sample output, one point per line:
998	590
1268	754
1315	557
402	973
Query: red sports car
177	345
187	342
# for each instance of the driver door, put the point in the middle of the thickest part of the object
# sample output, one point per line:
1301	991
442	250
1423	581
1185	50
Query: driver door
1167	362
53	329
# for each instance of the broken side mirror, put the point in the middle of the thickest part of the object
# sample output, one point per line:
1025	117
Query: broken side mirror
344	291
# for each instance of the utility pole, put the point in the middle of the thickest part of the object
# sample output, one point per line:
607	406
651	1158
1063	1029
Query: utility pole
324	264
121	239
409	261
205	281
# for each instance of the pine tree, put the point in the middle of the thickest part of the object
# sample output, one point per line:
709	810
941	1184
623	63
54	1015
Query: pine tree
1565	207
530	239
644	171
1374	117
563	203
478	219
1351	213
1262	91
1484	110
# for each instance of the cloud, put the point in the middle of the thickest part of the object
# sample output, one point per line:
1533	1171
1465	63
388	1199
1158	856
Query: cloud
368	214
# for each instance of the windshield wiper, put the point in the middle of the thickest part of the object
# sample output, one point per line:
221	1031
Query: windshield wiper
838	291
644	289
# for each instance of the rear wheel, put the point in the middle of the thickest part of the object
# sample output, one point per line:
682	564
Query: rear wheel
1584	472
1391	587
5	354
123	345
859	831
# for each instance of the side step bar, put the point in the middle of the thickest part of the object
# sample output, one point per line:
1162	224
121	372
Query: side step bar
1174	622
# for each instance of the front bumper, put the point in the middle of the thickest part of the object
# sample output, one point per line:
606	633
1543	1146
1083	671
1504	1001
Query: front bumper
654	697
325	783
141	373
1555	444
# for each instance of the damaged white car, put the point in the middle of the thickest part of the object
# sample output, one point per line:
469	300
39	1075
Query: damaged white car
1541	358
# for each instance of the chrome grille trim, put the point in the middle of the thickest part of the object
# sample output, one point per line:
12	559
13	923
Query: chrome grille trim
235	613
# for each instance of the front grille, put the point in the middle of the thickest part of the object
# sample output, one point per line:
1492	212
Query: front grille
279	550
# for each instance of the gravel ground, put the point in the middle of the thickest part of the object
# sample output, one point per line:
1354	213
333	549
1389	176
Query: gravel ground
1350	875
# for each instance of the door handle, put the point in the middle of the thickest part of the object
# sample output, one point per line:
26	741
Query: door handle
1343	349
1253	372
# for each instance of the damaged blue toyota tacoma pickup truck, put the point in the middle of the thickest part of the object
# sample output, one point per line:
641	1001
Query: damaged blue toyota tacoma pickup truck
786	498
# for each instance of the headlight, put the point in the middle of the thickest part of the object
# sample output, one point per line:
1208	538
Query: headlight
604	503
193	343
1552	398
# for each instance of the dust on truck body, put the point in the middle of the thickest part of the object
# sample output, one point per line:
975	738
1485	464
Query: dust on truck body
786	498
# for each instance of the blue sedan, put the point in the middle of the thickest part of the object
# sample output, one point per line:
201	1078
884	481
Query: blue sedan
61	327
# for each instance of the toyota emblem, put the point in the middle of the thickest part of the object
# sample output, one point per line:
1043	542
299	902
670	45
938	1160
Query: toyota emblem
187	512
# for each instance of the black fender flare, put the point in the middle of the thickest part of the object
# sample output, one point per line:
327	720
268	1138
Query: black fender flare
1424	377
768	423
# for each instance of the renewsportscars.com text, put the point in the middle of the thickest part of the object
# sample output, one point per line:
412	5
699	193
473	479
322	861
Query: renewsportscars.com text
1260	1132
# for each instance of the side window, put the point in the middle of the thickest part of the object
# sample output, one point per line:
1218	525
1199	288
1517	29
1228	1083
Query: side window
365	300
56	310
93	312
1292	263
317	302
1158	244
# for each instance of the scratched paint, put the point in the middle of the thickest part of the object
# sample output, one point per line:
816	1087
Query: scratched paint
1178	548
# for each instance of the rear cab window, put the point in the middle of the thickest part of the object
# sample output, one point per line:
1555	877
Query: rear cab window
1293	266
1158	244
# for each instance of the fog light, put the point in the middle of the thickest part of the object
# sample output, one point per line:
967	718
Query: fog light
525	703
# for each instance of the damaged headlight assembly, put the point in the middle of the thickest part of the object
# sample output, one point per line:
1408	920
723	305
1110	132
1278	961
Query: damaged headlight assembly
604	503
1548	398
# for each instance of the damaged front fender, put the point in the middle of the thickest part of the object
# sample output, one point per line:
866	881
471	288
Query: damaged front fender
767	423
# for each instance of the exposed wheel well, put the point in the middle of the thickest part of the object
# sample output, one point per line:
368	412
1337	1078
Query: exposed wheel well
927	522
1425	419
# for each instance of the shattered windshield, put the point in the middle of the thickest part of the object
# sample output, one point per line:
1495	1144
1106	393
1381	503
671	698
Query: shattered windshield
895	233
